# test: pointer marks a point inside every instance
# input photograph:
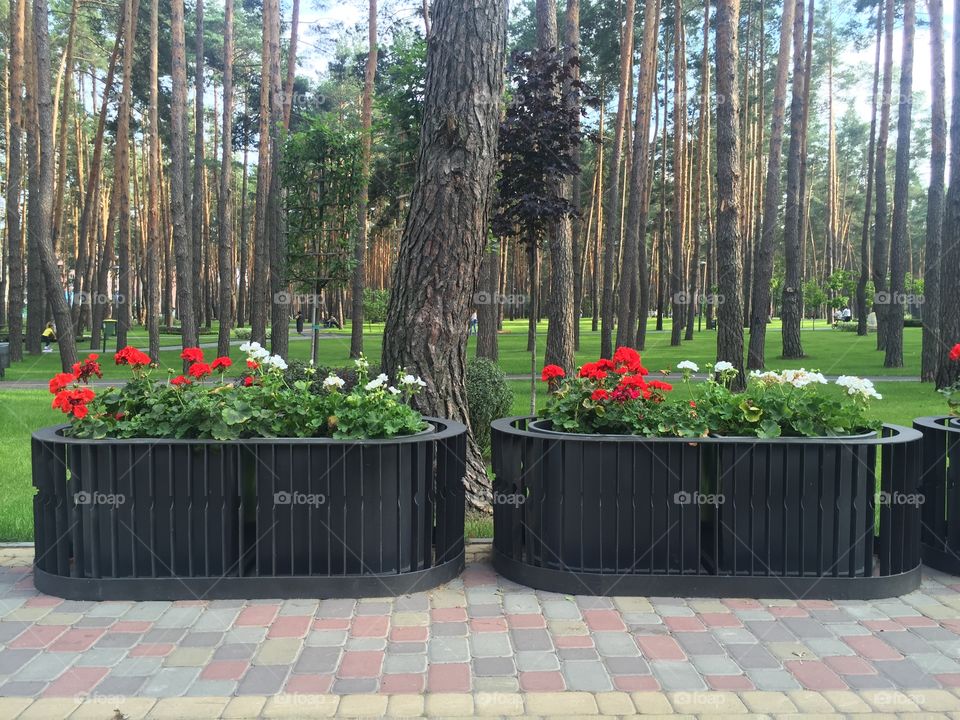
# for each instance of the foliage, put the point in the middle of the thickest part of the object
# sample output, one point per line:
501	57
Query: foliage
952	392
375	303
203	404
488	397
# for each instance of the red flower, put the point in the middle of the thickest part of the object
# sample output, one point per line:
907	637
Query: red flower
132	356
61	380
551	372
692	404
599	394
955	352
604	364
180	380
200	370
660	385
248	381
222	363
193	355
120	416
253	364
629	358
74	402
80	411
594	371
88	368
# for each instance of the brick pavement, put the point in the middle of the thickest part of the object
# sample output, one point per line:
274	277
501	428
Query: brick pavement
480	644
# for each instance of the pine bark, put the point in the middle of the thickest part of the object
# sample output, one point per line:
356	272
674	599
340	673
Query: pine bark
224	201
122	175
280	307
881	227
445	232
154	236
679	299
14	171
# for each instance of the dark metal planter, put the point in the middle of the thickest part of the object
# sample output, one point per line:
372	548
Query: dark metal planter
940	485
716	517
185	519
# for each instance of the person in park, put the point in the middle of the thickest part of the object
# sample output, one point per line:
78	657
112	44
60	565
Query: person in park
299	322
474	323
49	335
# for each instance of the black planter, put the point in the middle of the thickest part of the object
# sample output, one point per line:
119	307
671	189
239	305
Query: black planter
718	516
940	486
143	519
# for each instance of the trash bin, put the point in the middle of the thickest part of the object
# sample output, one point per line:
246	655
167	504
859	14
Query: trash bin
4	357
109	331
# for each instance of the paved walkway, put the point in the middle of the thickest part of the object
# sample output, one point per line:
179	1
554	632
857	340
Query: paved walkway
480	644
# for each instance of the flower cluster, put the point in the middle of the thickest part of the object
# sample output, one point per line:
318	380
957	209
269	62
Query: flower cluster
859	387
69	395
952	392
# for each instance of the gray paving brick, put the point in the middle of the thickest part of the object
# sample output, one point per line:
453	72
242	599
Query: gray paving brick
490	667
716	665
905	674
405	663
490	645
936	664
528	661
825	647
336	608
216	620
699	643
560	610
847	629
627	666
772	679
365	643
448	649
868	682
521	603
201	639
616	644
773	631
726	636
263	680
407	648
45	666
831	615
9	629
578	654
328	638
752	656
754	615
180	617
12	659
119	685
317	660
101	657
448	629
807	628
590	602
245	635
17	688
76	606
531	640
587	675
907	642
496	684
412	603
305	606
483	610
483	595
352	686
642	619
88	621
151	610
677	675
212	688
118	640
164	635
865	612
137	667
170	682
934	633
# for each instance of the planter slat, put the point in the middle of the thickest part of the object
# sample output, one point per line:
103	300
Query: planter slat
718	516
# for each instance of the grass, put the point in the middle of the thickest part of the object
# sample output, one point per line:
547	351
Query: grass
830	352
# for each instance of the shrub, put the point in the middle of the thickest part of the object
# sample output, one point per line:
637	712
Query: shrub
488	397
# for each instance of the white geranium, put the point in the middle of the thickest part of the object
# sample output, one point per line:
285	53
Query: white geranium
723	366
248	346
361	363
274	361
393	390
411	380
332	382
688	365
858	386
378	382
801	378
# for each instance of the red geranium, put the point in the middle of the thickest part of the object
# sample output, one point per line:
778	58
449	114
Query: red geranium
192	354
248	381
660	385
88	368
200	370
222	363
594	370
131	356
599	394
552	372
74	402
60	381
955	352
253	364
180	380
629	358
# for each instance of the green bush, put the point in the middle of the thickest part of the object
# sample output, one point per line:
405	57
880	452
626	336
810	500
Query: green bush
488	397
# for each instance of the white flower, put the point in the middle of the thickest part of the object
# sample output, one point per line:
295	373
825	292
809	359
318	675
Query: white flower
246	347
332	382
688	365
361	363
858	386
801	378
260	353
768	377
393	390
411	380
723	366
378	382
275	361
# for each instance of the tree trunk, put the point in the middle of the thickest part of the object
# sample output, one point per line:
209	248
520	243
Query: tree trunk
900	241
612	202
360	248
862	303
260	279
154	234
196	222
280	310
291	63
182	244
948	372
791	302
634	278
44	200
763	261
435	278
881	229
938	161
679	300
572	97
122	175
224	203
487	301
730	270
14	171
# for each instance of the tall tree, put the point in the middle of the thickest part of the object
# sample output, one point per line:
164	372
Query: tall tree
730	269
900	241
260	280
792	296
634	278
360	247
182	244
197	221
280	308
571	94
435	276
678	297
612	203
881	227
155	239
291	64
224	203
763	260
14	171
935	196
44	201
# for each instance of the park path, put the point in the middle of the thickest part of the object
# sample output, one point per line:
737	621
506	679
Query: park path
479	644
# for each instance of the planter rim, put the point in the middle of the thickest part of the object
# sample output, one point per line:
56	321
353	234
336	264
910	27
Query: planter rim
538	426
892	434
944	423
442	430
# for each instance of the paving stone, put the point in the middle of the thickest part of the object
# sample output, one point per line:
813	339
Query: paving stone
561	610
28	688
235	651
245	635
318	660
772	679
170	682
279	651
806	628
577	654
752	656
337	607
263	680
215	620
906	674
936	664
867	682
412	603
677	675
560	703
908	643
515	603
46	666
411	648
448	650
531	640
824	647
487	667
490	645
405	663
616	644
727	636
716	665
100	657
365	644
12	660
773	631
137	666
118	685
528	661
627	665
179	617
699	643
164	635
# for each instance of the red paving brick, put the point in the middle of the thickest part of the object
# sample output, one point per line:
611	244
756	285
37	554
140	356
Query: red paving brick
742	604
77	640
728	620
224	670
882	625
331	624
729	682
603	620
491	624
872	648
37	636
526	621
684	624
152	650
660	647
448	677
403	683
76	681
130	626
573	641
409	634
543	681
916	621
309	684
454	614
949	679
360	664
788	611
290	626
372	626
43	601
814	675
850	665
635	683
257	615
